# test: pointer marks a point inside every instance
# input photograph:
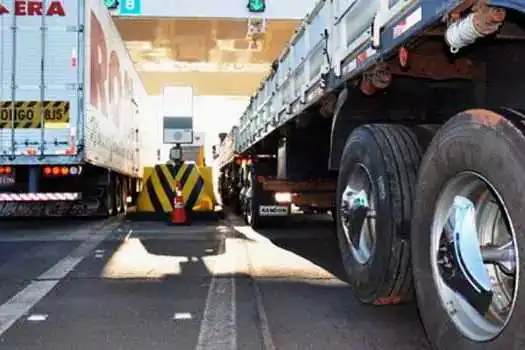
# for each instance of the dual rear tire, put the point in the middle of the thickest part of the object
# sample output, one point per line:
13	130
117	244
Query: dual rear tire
374	199
470	192
115	195
251	213
410	223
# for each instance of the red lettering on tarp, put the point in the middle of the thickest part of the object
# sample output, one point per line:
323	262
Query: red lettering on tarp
55	8
99	65
110	88
115	85
20	8
34	8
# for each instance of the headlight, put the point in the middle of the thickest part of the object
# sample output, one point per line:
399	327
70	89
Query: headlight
283	197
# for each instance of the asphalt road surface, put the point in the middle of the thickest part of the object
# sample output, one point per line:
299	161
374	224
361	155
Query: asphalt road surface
117	284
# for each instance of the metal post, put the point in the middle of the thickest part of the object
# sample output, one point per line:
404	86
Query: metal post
42	81
13	85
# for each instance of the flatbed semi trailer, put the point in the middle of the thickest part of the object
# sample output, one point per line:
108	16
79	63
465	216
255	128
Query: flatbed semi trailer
72	108
406	119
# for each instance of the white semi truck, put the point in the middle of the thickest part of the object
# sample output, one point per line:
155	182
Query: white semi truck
405	119
71	110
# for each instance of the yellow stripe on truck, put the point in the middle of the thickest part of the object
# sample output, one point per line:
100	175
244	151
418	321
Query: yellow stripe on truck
158	192
27	114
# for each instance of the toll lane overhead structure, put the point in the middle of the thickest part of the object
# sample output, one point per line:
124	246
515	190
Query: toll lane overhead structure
71	110
404	119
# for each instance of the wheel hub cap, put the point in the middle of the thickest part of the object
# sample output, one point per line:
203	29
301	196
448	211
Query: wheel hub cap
358	216
463	270
474	257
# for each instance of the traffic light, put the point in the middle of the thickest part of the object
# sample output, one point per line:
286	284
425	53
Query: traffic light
111	4
256	5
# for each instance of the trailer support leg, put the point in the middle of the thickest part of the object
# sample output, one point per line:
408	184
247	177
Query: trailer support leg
34	175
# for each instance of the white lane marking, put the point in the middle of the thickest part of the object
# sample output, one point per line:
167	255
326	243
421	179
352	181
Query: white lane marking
219	325
37	318
263	319
182	316
266	334
64	266
23	301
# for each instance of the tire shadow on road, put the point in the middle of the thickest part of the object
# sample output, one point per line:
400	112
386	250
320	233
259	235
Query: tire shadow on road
311	237
309	309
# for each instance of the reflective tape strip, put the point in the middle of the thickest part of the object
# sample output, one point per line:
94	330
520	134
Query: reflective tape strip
31	197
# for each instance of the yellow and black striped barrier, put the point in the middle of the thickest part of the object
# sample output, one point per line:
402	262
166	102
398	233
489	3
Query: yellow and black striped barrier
158	192
27	114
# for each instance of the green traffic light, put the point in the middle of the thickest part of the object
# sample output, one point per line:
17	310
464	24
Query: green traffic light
256	5
111	4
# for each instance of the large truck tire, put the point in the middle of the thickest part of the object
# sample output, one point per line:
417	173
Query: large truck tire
125	194
251	213
107	195
236	204
424	134
374	205
118	193
466	231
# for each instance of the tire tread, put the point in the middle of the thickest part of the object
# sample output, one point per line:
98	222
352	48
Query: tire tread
402	156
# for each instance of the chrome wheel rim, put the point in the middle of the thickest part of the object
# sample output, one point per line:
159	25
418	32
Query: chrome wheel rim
357	214
474	257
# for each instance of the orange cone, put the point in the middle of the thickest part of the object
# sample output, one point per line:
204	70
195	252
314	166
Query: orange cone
178	213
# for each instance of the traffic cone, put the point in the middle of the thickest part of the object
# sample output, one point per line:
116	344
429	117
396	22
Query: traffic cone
178	213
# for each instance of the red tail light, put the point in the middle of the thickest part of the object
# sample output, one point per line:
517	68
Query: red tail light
73	170
6	170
